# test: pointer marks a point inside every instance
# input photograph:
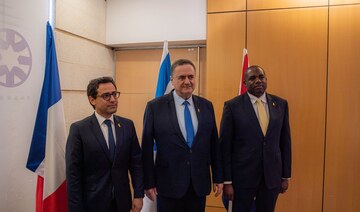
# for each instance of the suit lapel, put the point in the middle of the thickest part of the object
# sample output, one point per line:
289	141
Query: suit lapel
249	110
174	119
272	104
199	116
119	130
99	135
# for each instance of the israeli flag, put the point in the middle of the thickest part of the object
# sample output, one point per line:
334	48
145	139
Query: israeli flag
163	85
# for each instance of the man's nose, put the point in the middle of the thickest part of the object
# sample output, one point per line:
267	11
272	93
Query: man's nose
257	80
187	80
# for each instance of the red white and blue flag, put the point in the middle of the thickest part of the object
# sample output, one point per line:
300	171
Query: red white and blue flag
242	90
47	150
245	65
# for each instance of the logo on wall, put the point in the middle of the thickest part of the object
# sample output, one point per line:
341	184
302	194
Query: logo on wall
15	58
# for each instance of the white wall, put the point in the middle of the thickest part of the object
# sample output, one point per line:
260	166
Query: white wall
139	21
85	18
82	54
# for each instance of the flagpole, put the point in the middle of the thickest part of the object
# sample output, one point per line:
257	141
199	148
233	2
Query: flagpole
230	206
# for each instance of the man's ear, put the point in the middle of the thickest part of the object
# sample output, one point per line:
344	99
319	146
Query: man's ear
91	100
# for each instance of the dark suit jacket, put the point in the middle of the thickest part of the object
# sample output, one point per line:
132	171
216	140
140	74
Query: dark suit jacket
176	164
91	176
247	153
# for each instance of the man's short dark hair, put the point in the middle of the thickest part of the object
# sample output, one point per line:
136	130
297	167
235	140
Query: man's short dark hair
253	68
94	85
181	62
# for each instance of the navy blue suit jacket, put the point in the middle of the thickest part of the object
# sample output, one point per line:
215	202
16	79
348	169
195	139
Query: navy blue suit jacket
247	153
90	174
176	164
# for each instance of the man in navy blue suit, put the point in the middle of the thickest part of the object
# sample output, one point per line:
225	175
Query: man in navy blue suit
256	145
184	129
100	152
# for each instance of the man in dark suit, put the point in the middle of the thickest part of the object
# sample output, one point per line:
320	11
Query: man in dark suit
256	145
100	151
184	129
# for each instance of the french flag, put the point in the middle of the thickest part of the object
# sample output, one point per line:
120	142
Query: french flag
47	150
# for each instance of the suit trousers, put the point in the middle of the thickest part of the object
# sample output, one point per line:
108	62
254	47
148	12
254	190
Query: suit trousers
265	198
190	202
113	206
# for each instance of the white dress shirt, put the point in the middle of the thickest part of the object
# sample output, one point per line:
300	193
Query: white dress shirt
104	127
180	107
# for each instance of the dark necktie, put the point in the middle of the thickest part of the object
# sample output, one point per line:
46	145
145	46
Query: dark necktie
188	125
111	139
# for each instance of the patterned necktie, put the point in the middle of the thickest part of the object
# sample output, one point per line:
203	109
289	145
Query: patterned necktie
188	125
263	118
111	139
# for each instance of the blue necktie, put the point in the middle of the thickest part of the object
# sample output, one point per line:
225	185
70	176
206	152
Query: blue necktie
188	125
111	139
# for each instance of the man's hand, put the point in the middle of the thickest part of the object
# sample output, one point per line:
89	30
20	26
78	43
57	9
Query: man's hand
151	193
229	191
137	205
218	188
284	185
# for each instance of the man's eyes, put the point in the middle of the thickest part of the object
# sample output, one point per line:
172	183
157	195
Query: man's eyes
106	95
184	77
260	77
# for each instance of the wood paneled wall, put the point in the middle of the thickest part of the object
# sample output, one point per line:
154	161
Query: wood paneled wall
292	51
342	170
310	51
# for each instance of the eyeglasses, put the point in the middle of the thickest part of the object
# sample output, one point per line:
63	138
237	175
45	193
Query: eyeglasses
107	96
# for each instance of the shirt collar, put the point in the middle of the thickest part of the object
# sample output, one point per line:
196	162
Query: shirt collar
179	100
254	98
101	119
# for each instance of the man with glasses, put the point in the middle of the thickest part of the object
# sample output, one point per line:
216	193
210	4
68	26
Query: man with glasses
100	151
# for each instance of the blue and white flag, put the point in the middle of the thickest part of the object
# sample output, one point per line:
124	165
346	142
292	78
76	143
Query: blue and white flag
164	85
47	151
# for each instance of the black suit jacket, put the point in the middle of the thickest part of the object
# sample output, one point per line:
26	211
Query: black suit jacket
247	153
176	164
91	176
